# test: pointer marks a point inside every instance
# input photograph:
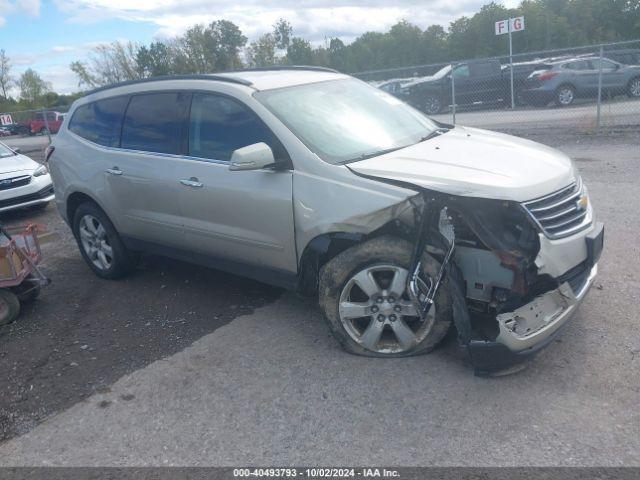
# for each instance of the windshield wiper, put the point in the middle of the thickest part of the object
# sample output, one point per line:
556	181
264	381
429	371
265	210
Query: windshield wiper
433	134
365	156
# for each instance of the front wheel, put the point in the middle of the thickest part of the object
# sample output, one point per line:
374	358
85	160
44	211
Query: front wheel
432	105
364	298
565	95
100	244
633	90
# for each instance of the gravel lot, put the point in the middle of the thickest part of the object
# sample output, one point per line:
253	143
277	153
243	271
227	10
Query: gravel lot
180	365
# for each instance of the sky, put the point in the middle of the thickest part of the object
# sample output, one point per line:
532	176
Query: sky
47	35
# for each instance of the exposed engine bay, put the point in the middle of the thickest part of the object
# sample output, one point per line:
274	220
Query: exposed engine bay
488	251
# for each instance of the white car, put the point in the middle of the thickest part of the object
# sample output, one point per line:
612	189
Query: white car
23	181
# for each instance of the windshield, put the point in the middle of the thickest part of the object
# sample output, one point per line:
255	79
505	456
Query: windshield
347	120
5	151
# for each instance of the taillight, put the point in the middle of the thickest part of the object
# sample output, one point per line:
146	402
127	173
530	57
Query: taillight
47	152
543	77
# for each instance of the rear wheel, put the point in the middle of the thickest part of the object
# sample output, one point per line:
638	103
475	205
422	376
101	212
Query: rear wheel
364	298
565	95
9	306
100	244
633	90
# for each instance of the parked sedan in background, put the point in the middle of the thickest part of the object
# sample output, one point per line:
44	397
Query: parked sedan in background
23	182
477	83
563	81
16	129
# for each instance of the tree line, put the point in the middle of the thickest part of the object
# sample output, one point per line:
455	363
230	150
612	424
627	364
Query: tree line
33	90
221	45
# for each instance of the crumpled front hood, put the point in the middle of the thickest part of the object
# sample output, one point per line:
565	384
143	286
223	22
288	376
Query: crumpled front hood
476	163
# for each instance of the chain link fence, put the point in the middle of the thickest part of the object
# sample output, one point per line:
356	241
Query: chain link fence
578	89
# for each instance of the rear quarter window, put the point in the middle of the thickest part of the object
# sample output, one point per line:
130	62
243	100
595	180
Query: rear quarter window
156	122
100	121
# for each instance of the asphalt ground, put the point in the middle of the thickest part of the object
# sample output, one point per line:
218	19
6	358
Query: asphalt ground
180	365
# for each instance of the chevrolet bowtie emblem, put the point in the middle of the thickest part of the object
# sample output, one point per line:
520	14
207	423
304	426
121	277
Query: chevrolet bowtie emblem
582	202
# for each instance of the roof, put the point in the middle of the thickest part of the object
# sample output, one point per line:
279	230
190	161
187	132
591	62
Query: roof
258	79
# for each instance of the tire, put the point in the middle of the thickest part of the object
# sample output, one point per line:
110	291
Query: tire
44	131
100	244
432	105
633	89
9	306
565	95
358	334
30	295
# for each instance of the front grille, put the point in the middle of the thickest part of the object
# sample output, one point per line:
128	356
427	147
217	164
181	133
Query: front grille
45	192
560	214
14	182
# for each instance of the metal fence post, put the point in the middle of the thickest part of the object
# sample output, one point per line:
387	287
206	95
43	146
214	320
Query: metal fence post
46	124
599	107
453	95
513	100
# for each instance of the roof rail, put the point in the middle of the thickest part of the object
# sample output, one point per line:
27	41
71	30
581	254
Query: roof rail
202	76
287	67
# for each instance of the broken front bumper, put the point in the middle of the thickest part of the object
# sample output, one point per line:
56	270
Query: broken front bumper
528	329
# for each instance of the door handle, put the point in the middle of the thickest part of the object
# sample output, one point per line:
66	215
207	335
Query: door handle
192	182
114	171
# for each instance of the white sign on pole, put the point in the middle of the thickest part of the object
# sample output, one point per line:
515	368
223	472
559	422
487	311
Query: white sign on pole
502	27
6	119
516	24
510	26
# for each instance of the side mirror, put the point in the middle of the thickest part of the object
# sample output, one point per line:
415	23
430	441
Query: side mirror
252	157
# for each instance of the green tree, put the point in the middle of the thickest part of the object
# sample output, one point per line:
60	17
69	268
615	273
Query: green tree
107	64
154	60
32	87
282	31
194	52
225	42
5	74
300	52
85	79
262	52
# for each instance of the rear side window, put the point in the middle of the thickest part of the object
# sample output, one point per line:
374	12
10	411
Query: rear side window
155	122
581	65
100	121
219	125
484	69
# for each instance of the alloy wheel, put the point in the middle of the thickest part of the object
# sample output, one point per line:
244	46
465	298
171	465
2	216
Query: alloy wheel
565	96
95	242
634	88
432	105
377	313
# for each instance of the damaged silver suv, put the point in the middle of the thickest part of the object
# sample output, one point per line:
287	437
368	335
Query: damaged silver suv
315	181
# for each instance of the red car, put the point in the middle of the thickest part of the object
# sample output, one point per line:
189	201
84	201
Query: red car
38	124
